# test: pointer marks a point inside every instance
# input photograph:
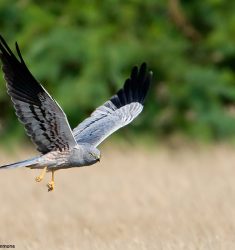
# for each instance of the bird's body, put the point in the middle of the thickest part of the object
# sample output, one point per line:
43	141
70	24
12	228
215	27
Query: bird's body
79	156
47	125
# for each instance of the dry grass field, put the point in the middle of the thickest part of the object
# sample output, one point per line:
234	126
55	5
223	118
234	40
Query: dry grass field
134	199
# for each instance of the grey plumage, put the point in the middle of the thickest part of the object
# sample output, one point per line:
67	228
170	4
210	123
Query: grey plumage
47	125
119	111
26	163
79	156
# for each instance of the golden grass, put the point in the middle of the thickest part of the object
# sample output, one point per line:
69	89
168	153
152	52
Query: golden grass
134	199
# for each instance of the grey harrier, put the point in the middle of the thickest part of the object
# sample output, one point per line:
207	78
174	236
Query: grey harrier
47	125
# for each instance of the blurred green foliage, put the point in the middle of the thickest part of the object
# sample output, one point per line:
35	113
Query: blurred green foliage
82	51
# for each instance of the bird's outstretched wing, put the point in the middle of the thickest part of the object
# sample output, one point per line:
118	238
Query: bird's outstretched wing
120	110
44	120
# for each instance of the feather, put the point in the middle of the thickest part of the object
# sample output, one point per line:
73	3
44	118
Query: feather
119	111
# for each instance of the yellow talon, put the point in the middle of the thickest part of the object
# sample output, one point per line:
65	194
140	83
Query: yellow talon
38	178
51	184
41	176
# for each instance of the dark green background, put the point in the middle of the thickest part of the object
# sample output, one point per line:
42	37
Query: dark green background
82	51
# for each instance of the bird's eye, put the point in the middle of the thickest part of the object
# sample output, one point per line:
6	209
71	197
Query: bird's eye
93	155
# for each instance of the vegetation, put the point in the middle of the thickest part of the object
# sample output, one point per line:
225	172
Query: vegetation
82	51
136	199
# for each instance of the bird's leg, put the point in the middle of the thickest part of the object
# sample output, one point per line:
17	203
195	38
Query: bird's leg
41	176
51	184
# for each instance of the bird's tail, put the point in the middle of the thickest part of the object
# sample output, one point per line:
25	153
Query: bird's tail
27	163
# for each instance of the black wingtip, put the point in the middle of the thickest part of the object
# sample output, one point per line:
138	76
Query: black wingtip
2	39
145	77
134	72
19	53
144	65
142	72
146	85
7	52
4	47
136	87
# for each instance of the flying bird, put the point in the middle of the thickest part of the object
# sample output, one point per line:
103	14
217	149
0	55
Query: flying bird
47	125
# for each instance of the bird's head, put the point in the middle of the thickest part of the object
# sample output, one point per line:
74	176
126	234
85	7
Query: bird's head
94	154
